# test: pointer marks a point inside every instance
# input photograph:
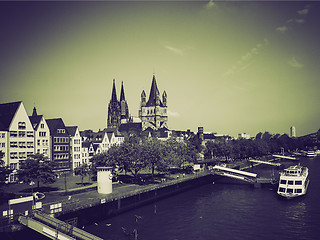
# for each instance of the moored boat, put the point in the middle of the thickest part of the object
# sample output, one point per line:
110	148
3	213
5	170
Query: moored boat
293	182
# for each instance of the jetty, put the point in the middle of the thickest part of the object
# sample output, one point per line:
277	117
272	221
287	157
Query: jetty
285	157
265	162
54	228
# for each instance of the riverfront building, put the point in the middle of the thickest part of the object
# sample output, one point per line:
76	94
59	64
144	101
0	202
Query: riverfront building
16	134
75	146
60	145
41	134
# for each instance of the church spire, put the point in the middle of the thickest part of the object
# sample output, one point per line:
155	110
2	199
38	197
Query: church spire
114	92
154	93
122	97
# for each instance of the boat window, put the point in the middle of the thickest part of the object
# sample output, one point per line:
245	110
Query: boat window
282	189
289	190
298	182
283	181
299	190
290	182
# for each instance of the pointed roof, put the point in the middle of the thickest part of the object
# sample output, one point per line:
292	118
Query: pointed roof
7	113
35	121
122	97
114	92
34	112
154	94
71	130
54	124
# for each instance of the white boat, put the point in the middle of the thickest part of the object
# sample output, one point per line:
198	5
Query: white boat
311	154
293	182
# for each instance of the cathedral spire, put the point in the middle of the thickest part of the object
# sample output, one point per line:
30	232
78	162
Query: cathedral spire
114	92
122	97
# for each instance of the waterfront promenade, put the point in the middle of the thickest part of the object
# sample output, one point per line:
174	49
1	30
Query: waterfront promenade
78	198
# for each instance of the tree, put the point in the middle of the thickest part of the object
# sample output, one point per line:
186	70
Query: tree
83	170
36	168
4	170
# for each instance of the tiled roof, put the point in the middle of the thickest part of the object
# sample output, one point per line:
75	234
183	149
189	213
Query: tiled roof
71	130
154	93
35	120
7	112
54	124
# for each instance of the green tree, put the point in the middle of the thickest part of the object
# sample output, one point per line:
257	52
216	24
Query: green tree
36	168
4	170
83	170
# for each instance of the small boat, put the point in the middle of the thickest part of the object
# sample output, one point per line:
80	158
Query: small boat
293	182
311	154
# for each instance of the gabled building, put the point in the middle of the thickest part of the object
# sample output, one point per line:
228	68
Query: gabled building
60	145
16	135
85	152
153	113
75	146
41	134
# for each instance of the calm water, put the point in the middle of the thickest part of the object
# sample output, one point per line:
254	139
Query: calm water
223	211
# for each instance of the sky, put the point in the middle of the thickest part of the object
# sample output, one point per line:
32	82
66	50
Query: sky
228	66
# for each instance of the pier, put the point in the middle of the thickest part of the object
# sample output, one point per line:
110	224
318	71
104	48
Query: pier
265	162
54	228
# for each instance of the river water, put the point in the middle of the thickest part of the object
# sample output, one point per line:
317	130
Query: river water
224	212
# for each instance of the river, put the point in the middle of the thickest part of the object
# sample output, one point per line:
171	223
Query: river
224	212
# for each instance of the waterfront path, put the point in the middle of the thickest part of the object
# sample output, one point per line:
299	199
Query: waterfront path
87	196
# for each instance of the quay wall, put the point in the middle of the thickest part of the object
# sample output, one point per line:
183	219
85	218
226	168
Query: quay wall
106	207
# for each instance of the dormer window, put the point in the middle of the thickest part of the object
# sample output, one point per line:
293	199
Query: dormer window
22	125
61	131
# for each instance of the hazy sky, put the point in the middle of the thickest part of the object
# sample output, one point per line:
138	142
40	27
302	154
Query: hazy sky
230	67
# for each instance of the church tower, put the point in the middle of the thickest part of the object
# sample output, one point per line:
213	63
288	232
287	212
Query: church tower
124	106
153	113
114	112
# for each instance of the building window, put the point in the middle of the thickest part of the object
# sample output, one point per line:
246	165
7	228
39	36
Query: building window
13	134
22	133
13	144
13	166
42	134
22	155
21	125
22	144
29	134
61	131
3	145
42	125
38	143
2	135
29	144
13	155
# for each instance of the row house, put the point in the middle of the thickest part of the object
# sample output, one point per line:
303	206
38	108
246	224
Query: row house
98	142
16	135
41	134
75	146
60	145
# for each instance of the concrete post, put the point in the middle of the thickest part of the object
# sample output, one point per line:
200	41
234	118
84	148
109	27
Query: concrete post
104	179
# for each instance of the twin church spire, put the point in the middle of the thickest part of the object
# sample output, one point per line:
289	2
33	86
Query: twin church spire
152	113
118	111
